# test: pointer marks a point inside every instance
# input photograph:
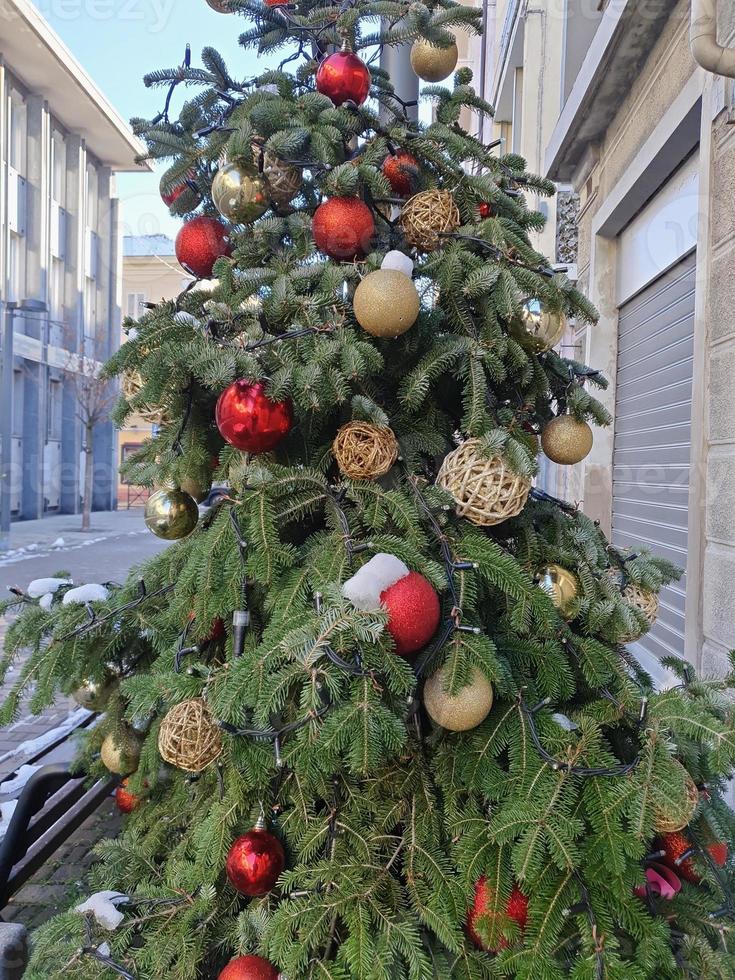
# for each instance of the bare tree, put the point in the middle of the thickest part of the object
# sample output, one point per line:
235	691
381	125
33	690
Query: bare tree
94	397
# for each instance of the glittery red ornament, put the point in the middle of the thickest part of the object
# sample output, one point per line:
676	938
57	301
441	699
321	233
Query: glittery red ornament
485	209
675	846
200	242
413	612
125	800
343	228
249	968
400	171
276	3
718	853
255	861
516	909
249	420
342	77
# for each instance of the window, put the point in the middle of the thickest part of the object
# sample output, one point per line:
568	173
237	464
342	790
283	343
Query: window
135	304
54	421
58	168
17	132
90	310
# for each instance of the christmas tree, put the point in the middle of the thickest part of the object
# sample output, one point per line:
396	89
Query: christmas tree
374	707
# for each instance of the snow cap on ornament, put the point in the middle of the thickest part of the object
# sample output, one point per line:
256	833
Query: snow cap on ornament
409	599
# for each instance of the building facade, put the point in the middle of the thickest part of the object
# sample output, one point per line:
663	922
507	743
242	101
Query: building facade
60	145
150	274
641	142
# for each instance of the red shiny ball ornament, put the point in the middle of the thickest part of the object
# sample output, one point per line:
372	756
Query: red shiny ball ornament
413	612
125	800
170	197
400	172
343	228
485	209
249	420
200	242
249	968
516	909
254	862
342	77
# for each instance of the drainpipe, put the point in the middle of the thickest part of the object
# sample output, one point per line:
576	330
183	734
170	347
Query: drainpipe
703	39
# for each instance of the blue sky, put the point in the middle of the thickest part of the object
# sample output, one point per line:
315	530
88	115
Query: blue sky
117	42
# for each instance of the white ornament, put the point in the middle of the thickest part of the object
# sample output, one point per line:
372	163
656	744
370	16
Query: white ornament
565	722
103	906
366	585
41	586
86	593
46	600
133	333
183	317
398	261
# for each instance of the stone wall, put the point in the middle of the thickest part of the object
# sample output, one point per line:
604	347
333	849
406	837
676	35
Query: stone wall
567	233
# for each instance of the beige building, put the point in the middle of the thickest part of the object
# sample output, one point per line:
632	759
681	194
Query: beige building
150	274
640	139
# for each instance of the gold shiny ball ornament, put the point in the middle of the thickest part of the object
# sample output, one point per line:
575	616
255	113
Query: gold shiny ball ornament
120	752
188	737
679	812
461	711
427	216
562	586
432	63
386	303
365	451
240	193
196	488
171	514
645	602
485	490
94	694
566	440
538	328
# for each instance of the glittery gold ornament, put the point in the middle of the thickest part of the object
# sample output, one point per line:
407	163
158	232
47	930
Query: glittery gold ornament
538	328
239	192
461	711
562	586
386	303
171	514
94	694
432	63
120	752
566	440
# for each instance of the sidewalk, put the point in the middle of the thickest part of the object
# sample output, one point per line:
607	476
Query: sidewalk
64	531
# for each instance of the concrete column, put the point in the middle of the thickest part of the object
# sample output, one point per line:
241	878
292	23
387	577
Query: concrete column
396	62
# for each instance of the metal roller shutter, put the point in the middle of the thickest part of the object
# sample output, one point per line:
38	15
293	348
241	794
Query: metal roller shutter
653	435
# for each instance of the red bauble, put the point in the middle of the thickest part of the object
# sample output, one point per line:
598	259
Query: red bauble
170	197
343	228
125	800
399	170
718	852
249	420
218	631
413	612
674	847
249	968
254	862
200	242
516	909
342	77
277	3
485	209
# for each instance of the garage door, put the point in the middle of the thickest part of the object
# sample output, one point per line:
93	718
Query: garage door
653	434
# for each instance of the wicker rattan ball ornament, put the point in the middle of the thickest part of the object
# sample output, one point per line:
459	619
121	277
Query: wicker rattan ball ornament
386	303
132	385
486	491
645	602
432	63
426	216
562	586
365	451
680	812
188	737
171	514
461	711
240	193
566	440
284	182
120	752
538	328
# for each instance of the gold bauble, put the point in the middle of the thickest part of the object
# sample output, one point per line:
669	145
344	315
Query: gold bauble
171	514
432	63
538	328
221	6
196	488
427	216
188	737
120	752
386	303
562	586
93	694
461	711
239	192
365	451
566	440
